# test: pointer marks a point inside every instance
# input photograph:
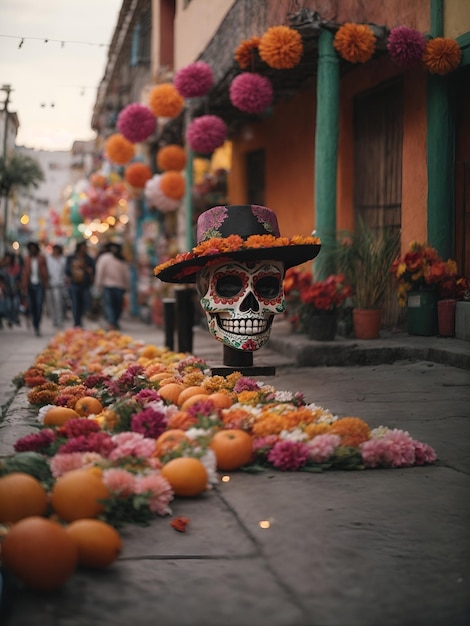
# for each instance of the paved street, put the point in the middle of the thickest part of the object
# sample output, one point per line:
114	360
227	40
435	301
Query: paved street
362	548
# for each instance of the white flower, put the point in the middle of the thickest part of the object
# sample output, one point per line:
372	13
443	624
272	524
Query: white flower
283	396
195	433
209	461
42	412
293	435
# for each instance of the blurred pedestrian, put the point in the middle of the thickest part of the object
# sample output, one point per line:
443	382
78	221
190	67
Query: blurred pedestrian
113	278
34	283
11	268
55	296
80	273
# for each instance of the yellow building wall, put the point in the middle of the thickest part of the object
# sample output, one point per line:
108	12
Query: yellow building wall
456	18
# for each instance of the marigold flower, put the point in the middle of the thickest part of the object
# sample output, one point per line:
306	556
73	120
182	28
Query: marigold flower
352	430
244	54
442	55
355	42
281	47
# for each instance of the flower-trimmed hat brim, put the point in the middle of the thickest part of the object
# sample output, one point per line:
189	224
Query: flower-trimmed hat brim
245	232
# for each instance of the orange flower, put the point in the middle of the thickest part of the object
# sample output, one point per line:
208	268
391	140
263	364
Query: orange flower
181	420
312	430
442	55
171	157
165	101
118	149
244	54
137	174
281	47
355	42
352	430
173	185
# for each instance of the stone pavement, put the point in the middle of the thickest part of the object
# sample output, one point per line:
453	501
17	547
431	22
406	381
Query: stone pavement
360	548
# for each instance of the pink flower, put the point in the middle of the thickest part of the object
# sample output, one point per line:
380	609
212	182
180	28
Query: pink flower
132	444
288	455
424	453
95	442
246	384
251	92
149	422
406	46
158	488
322	447
136	122
78	426
119	482
194	80
62	463
146	395
36	441
206	133
394	449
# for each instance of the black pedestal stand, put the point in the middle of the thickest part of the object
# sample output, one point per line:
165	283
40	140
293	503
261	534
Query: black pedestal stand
241	361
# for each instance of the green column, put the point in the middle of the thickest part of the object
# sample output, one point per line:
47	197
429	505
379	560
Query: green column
440	152
326	145
188	200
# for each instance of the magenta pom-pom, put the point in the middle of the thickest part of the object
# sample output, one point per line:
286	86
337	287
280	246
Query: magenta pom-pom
194	80
406	46
206	133
251	92
136	122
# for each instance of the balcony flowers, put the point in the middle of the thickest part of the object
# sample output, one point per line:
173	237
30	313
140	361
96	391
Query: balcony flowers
421	268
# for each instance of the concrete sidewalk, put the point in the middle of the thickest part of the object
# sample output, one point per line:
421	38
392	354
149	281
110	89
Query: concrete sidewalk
362	548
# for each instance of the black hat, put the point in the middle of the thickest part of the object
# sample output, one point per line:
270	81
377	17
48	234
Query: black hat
246	231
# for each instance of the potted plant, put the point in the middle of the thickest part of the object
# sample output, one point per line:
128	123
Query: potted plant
364	256
320	302
422	278
295	280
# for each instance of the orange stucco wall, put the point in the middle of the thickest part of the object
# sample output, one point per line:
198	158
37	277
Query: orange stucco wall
288	138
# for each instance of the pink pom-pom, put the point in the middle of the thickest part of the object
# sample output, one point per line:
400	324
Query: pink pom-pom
406	46
136	122
194	80
206	133
251	92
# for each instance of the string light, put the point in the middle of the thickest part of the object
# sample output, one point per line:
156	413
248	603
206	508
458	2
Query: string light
61	41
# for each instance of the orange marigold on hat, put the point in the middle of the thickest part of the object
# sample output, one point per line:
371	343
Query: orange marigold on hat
118	149
281	47
171	157
137	174
442	55
244	54
355	42
165	101
173	185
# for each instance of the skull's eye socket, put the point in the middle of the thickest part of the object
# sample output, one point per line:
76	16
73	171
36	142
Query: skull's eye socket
268	287
228	286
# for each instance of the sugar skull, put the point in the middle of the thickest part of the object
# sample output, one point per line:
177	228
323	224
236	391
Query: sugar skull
240	299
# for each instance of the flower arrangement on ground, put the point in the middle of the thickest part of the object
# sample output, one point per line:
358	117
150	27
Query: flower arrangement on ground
160	406
422	268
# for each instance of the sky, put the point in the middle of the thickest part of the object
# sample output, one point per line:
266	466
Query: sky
54	83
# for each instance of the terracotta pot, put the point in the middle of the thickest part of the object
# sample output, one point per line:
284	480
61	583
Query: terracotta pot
322	327
367	323
446	317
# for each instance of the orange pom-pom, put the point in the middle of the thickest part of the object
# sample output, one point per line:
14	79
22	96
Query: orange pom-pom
118	149
442	55
171	157
173	185
137	174
165	101
355	42
245	52
281	47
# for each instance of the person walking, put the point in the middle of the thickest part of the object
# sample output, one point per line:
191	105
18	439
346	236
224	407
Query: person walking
80	273
34	283
113	278
56	263
11	268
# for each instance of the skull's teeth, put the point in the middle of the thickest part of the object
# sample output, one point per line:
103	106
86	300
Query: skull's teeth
244	326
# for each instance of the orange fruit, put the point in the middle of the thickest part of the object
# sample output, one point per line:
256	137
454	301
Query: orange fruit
221	400
98	543
21	495
58	415
170	392
77	494
40	553
186	475
198	397
88	405
233	448
191	391
168	440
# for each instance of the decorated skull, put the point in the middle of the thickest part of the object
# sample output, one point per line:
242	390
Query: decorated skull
240	299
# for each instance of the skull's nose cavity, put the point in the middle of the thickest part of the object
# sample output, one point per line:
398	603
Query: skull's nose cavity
249	303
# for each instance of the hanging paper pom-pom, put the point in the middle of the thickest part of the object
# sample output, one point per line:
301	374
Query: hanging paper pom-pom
171	157
136	122
245	52
251	92
165	101
442	55
98	180
119	150
173	185
206	133
281	47
406	46
194	80
137	174
156	198
355	42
